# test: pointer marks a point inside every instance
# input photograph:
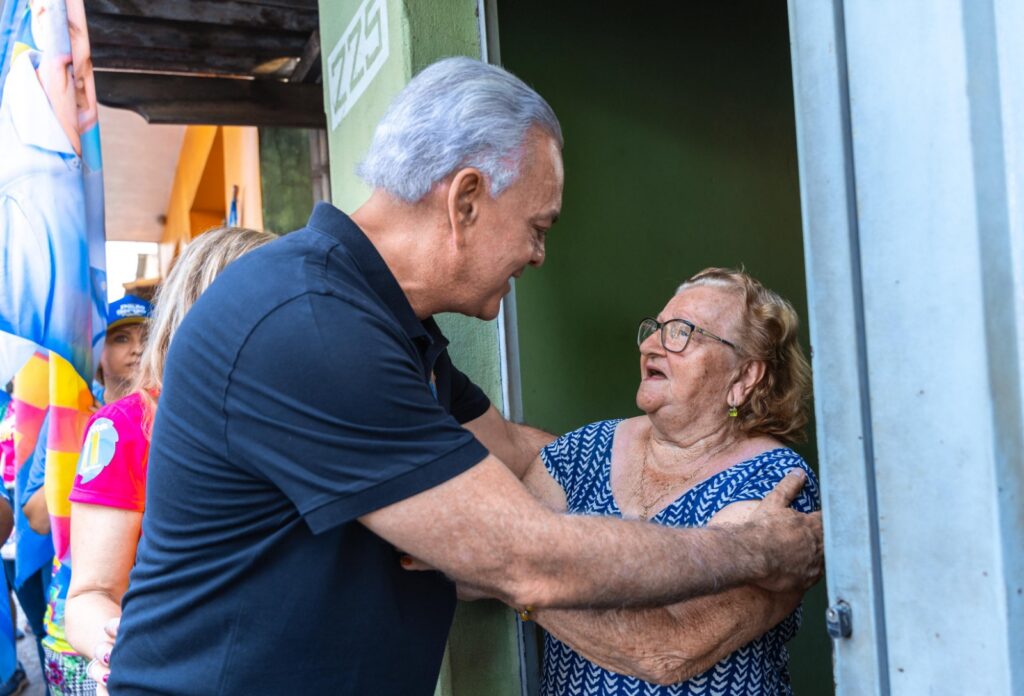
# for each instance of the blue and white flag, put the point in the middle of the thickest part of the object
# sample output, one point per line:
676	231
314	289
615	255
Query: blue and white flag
52	264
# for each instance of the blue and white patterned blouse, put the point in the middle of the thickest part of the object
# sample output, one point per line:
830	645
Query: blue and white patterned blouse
581	463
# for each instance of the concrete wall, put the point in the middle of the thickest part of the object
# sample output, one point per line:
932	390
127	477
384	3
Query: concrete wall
483	651
286	178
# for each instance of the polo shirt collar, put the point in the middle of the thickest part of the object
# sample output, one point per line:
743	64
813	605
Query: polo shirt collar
332	221
31	114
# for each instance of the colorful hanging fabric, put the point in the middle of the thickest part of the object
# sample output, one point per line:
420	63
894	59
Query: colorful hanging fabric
31	401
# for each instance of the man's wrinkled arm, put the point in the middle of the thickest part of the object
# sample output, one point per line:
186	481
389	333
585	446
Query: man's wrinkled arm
495	536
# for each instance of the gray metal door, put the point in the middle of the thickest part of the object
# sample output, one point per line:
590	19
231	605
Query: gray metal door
910	119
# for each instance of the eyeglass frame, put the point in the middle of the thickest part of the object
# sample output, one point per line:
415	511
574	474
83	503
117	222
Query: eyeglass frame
693	329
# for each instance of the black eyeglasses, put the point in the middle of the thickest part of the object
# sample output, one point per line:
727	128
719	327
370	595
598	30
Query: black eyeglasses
675	333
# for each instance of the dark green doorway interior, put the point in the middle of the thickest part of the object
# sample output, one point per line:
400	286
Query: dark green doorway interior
680	154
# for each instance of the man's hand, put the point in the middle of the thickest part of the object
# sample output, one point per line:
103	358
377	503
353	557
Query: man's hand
792	540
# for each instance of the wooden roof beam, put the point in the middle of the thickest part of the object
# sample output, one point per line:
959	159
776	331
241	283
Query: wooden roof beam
120	30
294	4
137	58
211	100
295	17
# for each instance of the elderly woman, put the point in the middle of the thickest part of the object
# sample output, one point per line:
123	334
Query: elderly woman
724	387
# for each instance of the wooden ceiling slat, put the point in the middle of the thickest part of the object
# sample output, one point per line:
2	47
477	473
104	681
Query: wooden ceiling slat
136	42
134	31
219	12
195	100
294	4
107	56
309	67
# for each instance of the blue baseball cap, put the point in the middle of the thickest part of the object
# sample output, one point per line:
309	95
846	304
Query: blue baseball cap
130	309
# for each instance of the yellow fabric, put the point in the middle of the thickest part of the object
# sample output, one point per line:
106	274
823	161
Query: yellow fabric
60	476
67	388
32	382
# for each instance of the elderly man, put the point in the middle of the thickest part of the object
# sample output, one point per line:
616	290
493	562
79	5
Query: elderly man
313	429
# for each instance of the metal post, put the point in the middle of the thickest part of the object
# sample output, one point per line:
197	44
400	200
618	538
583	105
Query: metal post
910	121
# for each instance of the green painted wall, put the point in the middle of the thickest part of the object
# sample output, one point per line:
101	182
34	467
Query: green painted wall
285	178
680	154
483	652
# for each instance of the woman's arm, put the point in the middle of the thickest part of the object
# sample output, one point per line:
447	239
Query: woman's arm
103	545
6	518
670	644
515	444
36	512
34	508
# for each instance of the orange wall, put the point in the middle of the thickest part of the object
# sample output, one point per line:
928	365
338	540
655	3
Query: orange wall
213	160
242	168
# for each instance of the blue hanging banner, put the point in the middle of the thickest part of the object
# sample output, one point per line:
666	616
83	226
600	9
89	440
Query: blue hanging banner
52	262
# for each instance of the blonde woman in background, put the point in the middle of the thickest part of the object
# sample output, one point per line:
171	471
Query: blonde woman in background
109	494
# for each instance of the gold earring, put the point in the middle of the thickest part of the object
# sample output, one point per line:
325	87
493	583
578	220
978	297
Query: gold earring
733	412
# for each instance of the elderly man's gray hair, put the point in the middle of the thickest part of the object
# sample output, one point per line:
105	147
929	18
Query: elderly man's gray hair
457	113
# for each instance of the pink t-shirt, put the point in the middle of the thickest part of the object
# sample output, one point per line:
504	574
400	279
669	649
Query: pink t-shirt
115	454
7	446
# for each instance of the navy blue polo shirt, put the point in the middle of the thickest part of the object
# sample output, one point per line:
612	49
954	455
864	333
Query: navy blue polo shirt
300	392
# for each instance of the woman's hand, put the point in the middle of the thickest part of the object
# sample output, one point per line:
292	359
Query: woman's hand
99	666
466	593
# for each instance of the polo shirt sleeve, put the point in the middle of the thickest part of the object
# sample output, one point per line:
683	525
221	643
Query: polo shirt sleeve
329	403
468	400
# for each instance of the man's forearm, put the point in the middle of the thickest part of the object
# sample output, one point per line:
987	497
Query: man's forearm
496	536
605	563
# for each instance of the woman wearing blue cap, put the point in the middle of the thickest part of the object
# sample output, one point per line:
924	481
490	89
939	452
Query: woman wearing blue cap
122	348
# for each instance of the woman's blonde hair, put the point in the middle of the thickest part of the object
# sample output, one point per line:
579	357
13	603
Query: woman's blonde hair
197	267
778	404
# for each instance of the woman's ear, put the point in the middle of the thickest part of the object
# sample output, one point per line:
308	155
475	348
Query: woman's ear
749	376
464	201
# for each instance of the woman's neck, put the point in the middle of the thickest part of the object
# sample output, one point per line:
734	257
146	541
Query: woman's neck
652	467
116	391
680	452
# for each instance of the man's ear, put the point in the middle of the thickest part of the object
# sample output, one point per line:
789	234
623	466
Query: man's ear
749	376
464	198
